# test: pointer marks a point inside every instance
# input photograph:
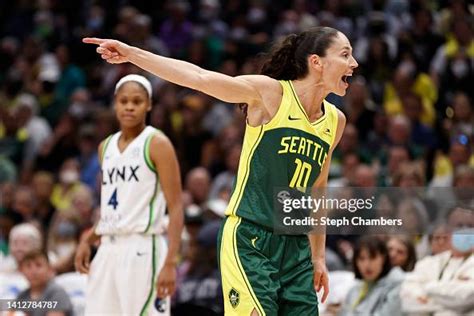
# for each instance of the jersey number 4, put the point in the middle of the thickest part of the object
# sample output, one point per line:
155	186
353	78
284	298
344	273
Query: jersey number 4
301	175
113	200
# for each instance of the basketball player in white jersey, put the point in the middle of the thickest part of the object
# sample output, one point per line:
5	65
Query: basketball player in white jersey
140	177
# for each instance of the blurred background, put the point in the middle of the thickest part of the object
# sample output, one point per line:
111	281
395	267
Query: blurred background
410	123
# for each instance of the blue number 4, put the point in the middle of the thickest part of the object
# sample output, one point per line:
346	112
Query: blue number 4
113	200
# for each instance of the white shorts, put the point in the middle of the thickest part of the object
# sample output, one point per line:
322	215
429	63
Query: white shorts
122	276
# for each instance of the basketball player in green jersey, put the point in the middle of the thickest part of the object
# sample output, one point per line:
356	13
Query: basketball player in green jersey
290	129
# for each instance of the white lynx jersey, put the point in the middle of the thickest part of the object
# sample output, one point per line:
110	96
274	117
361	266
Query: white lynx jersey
131	197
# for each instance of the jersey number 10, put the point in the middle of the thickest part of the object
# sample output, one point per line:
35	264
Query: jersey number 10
301	176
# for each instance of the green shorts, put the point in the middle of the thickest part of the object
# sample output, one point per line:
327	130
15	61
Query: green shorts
260	270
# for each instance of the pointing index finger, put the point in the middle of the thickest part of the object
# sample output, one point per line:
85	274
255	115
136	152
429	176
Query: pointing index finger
93	40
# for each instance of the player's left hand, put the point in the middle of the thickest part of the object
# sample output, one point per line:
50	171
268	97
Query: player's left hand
166	283
321	278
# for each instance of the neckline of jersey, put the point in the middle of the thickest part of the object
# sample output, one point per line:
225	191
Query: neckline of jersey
126	148
319	120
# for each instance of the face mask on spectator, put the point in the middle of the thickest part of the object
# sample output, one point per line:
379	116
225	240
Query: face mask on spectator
463	239
65	249
459	68
68	176
66	230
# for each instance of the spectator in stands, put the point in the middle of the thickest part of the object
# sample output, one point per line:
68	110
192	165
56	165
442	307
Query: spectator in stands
222	184
192	138
415	218
460	119
460	216
421	134
399	134
199	282
440	239
443	284
82	208
349	144
42	185
26	112
444	166
364	176
24	203
424	39
378	136
62	242
410	177
463	184
13	138
176	30
60	146
451	67
402	252
23	239
69	176
406	79
37	269
377	292
198	183
88	158
350	162
359	108
397	155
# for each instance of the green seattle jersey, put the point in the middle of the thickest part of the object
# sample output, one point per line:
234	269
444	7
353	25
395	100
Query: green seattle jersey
287	152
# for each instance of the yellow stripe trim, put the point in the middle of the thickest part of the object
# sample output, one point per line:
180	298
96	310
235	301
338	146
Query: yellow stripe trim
240	188
242	271
233	273
319	120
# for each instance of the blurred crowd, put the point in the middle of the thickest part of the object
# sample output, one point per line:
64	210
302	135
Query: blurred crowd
410	123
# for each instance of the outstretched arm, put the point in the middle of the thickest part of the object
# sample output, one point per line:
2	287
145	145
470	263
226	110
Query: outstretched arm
241	89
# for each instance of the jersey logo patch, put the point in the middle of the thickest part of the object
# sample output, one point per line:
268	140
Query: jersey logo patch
293	118
160	305
135	153
327	131
234	297
253	241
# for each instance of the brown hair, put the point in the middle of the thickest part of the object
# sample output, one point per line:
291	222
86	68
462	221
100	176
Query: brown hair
409	265
287	60
374	246
33	255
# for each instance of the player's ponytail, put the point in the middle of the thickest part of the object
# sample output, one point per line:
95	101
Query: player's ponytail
287	60
281	62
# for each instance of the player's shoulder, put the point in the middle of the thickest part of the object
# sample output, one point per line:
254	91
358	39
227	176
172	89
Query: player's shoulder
157	137
341	117
103	145
160	144
336	113
260	81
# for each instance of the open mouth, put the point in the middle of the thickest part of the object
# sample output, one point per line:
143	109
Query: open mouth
345	78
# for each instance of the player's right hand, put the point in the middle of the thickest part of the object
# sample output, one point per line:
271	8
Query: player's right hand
83	257
112	51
